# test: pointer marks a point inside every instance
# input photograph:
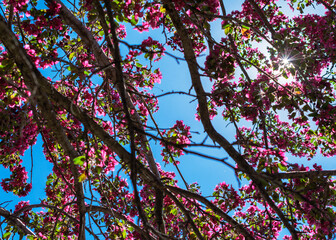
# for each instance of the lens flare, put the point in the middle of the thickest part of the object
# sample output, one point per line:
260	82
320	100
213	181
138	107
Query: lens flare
285	61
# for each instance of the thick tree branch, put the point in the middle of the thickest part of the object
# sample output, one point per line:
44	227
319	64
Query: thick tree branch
103	60
31	77
16	221
204	114
115	75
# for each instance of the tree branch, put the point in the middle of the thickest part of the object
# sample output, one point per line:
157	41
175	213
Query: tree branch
31	78
205	119
303	174
16	221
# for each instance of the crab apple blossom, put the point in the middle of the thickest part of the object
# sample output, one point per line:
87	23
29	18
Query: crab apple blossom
99	82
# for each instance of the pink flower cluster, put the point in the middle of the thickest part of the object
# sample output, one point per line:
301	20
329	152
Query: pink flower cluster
17	183
177	138
153	49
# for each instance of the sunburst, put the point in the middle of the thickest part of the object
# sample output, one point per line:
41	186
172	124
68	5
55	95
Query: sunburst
286	61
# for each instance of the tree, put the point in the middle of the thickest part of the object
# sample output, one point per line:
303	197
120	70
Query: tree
97	118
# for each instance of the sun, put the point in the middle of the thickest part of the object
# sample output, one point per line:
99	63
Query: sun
285	61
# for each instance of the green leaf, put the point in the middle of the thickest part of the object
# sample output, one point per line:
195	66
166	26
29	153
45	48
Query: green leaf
133	20
284	74
226	26
282	167
228	30
174	211
79	160
6	235
71	56
119	18
82	177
